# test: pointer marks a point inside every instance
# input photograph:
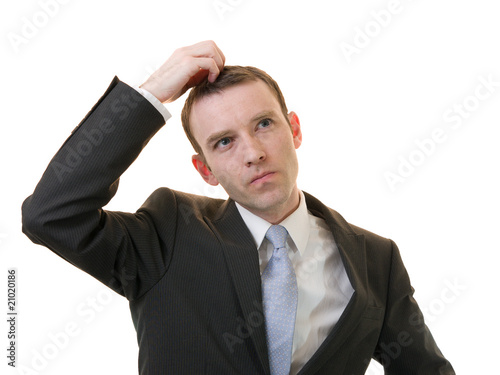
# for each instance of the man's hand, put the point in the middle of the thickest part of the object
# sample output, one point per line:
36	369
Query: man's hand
187	67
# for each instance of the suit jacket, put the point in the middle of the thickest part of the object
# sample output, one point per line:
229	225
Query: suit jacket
190	270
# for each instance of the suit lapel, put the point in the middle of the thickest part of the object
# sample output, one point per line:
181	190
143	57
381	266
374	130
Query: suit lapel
243	262
352	251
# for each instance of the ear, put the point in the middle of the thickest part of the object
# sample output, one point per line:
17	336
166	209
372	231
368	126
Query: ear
296	132
203	169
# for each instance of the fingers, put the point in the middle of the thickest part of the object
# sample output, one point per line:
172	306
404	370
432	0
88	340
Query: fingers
209	49
209	57
211	66
187	67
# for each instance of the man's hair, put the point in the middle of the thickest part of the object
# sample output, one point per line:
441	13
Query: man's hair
231	75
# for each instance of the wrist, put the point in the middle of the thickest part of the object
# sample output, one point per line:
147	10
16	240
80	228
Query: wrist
154	101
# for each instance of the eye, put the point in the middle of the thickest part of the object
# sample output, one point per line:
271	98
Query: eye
223	142
265	123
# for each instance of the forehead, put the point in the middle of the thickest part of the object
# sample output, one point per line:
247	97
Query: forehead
234	106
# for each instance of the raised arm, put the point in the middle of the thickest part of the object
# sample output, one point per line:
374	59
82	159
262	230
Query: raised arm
65	213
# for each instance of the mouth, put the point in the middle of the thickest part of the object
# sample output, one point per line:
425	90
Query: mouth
263	177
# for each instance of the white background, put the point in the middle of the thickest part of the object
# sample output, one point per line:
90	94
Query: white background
358	118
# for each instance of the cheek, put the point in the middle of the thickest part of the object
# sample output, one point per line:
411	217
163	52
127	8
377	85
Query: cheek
289	159
284	149
227	172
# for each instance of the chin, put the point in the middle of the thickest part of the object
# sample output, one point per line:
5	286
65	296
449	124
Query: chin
271	201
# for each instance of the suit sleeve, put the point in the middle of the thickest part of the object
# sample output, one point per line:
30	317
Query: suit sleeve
65	213
406	346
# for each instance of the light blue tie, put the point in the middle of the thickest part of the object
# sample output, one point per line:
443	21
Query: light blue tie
279	289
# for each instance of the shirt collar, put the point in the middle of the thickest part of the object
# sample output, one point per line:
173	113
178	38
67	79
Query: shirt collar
297	224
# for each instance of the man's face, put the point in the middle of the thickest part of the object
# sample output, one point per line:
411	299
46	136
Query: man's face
249	148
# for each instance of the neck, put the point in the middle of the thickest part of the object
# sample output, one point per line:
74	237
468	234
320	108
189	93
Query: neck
279	213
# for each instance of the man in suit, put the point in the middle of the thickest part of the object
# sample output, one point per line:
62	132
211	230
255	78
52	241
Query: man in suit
209	288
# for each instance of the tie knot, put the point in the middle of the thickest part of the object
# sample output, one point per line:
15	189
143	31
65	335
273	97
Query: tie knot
277	234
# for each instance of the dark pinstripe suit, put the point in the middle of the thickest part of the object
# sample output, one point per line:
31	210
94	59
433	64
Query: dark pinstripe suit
189	267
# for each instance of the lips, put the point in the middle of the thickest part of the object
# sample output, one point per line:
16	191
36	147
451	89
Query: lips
261	177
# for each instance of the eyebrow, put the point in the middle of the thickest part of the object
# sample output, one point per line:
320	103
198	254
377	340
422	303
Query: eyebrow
263	115
224	133
215	137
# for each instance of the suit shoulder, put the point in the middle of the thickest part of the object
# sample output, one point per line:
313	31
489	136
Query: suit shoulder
339	224
167	200
370	236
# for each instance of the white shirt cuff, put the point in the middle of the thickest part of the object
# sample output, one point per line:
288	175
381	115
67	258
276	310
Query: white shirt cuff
155	102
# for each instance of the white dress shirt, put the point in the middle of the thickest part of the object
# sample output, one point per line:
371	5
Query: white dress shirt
323	286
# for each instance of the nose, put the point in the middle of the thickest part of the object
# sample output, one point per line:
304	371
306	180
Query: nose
253	152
